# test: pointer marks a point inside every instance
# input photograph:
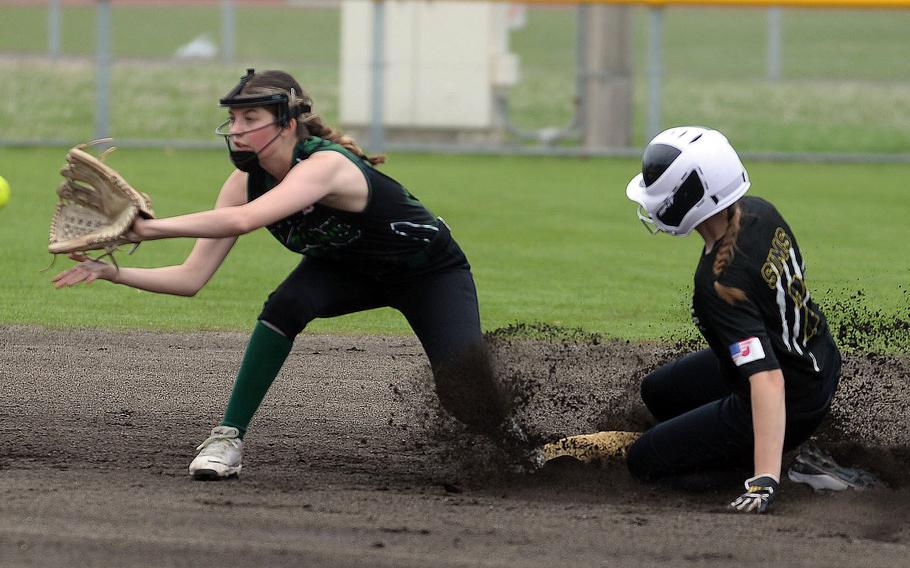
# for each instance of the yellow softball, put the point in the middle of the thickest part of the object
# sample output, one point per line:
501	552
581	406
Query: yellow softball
4	191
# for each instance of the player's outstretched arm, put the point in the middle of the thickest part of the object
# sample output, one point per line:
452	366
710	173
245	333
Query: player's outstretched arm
181	280
769	419
324	175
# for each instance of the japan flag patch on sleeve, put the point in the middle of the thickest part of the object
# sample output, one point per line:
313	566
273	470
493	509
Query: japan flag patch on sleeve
747	350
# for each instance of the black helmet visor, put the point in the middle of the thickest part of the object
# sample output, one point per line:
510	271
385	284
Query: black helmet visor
683	200
655	161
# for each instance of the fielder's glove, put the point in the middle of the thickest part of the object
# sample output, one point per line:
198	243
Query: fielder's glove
760	493
96	206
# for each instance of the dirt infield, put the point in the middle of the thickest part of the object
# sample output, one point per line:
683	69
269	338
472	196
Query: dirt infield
350	463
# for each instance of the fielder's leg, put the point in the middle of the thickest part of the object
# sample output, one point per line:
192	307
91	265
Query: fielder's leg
313	289
442	310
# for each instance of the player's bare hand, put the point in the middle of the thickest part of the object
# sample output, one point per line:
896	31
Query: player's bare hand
86	272
136	232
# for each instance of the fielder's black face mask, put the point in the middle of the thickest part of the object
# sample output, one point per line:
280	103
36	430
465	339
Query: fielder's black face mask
247	160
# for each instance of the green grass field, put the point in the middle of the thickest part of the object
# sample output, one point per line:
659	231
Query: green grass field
551	240
845	81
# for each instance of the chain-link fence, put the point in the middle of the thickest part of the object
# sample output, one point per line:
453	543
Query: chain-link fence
465	76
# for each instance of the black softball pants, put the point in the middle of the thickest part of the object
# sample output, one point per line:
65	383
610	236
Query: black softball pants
703	426
439	303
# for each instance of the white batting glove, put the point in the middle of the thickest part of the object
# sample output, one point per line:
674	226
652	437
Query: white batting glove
760	493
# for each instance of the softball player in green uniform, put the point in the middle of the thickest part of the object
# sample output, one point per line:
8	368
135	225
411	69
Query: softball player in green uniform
767	380
365	242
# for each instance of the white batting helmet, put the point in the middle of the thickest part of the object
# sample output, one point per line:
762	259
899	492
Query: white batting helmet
688	174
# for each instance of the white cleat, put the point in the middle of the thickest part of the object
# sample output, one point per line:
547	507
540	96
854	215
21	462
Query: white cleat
219	456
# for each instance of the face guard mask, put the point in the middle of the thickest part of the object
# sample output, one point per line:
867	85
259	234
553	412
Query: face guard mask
243	160
247	160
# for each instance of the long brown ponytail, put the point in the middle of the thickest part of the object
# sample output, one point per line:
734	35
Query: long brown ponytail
308	123
316	127
725	252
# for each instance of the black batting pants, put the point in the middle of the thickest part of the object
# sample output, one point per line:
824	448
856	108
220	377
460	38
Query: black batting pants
439	303
703	426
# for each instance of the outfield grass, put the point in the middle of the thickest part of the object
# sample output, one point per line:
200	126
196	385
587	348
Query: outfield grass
551	240
845	81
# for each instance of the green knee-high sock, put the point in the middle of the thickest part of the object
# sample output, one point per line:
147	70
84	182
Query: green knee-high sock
264	356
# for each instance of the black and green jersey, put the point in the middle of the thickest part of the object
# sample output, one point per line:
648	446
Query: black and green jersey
778	326
394	228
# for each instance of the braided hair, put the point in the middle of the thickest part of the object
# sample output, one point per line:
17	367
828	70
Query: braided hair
725	252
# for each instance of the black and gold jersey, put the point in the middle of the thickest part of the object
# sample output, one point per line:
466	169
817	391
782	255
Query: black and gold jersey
778	326
394	229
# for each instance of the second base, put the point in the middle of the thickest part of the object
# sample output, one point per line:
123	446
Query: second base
599	446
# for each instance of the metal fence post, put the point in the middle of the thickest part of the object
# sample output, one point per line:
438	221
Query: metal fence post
228	30
582	45
655	69
377	88
774	47
53	29
102	69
